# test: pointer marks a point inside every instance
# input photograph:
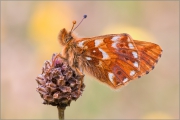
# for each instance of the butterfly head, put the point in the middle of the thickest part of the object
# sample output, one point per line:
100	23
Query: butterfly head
65	37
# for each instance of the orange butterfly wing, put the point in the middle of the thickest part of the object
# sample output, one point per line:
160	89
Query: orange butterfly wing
116	59
149	55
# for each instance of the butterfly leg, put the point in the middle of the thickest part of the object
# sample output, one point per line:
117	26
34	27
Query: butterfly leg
80	76
54	57
76	69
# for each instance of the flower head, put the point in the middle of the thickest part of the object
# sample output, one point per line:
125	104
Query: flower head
58	84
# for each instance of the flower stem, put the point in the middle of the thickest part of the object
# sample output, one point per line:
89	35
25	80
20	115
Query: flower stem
61	112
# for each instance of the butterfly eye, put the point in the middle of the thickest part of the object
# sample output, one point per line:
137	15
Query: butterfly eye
68	38
64	37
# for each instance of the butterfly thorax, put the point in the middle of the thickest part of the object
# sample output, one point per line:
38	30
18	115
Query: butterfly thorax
70	52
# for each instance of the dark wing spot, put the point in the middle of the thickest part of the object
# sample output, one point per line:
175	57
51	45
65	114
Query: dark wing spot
119	72
121	45
152	67
147	72
126	58
123	51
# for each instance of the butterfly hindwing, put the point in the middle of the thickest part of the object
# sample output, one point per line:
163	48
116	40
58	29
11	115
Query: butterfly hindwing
149	55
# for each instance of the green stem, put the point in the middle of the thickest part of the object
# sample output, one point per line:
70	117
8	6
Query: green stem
61	112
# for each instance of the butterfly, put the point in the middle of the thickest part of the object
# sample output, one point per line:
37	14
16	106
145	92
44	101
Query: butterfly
114	59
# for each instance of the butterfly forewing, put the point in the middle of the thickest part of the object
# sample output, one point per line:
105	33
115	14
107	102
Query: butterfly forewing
116	59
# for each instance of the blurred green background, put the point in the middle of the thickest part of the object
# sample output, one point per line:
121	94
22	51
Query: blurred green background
29	33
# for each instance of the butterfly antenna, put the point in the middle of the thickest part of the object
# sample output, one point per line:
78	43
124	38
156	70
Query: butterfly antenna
74	22
85	16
